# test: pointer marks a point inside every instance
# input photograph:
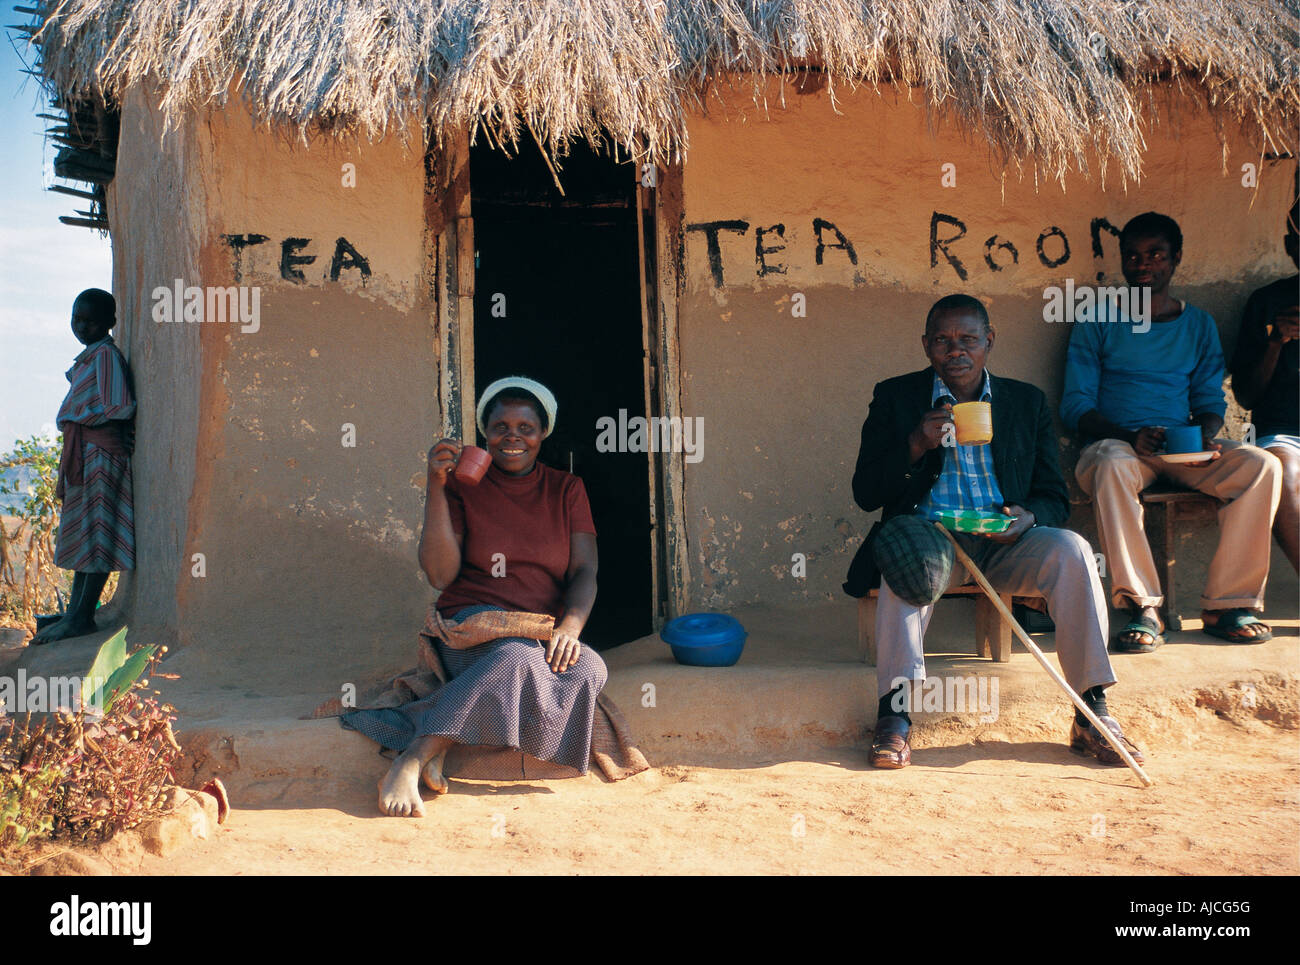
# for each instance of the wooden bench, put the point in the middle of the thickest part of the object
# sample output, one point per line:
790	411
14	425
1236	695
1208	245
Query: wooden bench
1171	505
992	635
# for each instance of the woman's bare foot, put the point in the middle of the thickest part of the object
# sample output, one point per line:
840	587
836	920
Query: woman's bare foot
399	791
431	774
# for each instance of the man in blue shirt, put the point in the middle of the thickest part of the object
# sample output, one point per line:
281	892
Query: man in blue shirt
1126	382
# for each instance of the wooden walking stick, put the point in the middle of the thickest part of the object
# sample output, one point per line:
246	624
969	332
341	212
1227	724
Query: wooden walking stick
1042	659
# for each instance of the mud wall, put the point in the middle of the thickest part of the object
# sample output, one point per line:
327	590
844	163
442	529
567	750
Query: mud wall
289	476
279	480
816	241
157	209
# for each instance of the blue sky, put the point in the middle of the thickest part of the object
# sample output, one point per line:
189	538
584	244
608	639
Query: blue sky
43	263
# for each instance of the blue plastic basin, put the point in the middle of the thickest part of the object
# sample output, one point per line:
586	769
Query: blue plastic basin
705	639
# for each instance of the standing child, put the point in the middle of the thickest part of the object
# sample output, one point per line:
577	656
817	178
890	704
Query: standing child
97	525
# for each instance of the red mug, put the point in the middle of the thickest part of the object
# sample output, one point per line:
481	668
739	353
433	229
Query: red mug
472	465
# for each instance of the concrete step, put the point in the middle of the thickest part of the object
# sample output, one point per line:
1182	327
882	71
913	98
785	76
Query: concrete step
775	707
799	692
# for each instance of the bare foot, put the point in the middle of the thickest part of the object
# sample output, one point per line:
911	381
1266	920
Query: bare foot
47	633
62	630
399	791
431	774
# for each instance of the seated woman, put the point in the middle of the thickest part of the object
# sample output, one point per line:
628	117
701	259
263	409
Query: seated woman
521	540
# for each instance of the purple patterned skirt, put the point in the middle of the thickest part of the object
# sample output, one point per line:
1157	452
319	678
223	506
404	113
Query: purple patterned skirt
500	694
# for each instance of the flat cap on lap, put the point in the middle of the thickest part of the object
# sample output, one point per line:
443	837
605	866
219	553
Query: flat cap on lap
915	559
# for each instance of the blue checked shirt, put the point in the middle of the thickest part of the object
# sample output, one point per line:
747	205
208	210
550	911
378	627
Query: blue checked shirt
967	480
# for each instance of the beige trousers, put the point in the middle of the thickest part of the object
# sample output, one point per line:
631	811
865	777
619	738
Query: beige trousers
1246	479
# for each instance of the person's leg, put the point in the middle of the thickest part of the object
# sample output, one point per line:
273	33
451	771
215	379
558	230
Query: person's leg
79	618
900	638
1113	475
58	629
1249	481
74	597
1058	565
900	664
399	791
1286	525
81	610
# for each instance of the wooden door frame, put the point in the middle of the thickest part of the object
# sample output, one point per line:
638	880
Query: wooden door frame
660	240
451	224
659	249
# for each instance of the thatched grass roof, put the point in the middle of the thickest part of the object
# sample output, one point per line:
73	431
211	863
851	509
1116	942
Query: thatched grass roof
1046	81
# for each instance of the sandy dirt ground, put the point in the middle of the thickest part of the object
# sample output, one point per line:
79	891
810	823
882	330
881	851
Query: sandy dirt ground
1220	726
1225	803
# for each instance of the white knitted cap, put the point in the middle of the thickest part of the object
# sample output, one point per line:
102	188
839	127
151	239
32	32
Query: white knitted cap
542	393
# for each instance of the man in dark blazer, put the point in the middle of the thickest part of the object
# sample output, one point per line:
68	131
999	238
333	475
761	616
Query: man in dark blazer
910	467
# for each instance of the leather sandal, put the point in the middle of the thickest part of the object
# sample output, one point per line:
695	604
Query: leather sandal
890	748
1230	625
1085	740
1139	625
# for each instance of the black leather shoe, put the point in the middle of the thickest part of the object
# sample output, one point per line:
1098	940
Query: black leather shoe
889	747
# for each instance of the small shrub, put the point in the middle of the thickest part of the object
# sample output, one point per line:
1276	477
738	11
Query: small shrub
82	777
29	580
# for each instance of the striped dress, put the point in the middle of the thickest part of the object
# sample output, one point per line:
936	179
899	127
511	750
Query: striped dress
97	525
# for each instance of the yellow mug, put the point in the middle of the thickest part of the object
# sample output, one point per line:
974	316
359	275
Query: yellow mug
974	423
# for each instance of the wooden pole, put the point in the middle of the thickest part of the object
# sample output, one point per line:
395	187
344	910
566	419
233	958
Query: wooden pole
1042	659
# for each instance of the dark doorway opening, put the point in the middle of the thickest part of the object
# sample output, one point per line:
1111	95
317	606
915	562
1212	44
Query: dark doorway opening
557	298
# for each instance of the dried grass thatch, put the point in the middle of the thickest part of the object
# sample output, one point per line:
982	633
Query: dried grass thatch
1048	81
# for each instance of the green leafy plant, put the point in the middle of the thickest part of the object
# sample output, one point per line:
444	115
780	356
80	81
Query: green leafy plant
114	672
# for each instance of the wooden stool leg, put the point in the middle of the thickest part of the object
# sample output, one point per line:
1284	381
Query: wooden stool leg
992	634
1002	642
1160	530
867	629
1173	618
986	621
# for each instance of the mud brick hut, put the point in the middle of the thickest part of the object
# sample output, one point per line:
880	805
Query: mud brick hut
730	213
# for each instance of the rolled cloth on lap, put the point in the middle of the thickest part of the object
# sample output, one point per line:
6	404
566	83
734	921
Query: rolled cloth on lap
488	625
914	559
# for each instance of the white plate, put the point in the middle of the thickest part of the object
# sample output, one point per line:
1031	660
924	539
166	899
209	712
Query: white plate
1178	458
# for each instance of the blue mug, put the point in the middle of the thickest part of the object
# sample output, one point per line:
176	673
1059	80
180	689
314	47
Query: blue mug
1181	439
